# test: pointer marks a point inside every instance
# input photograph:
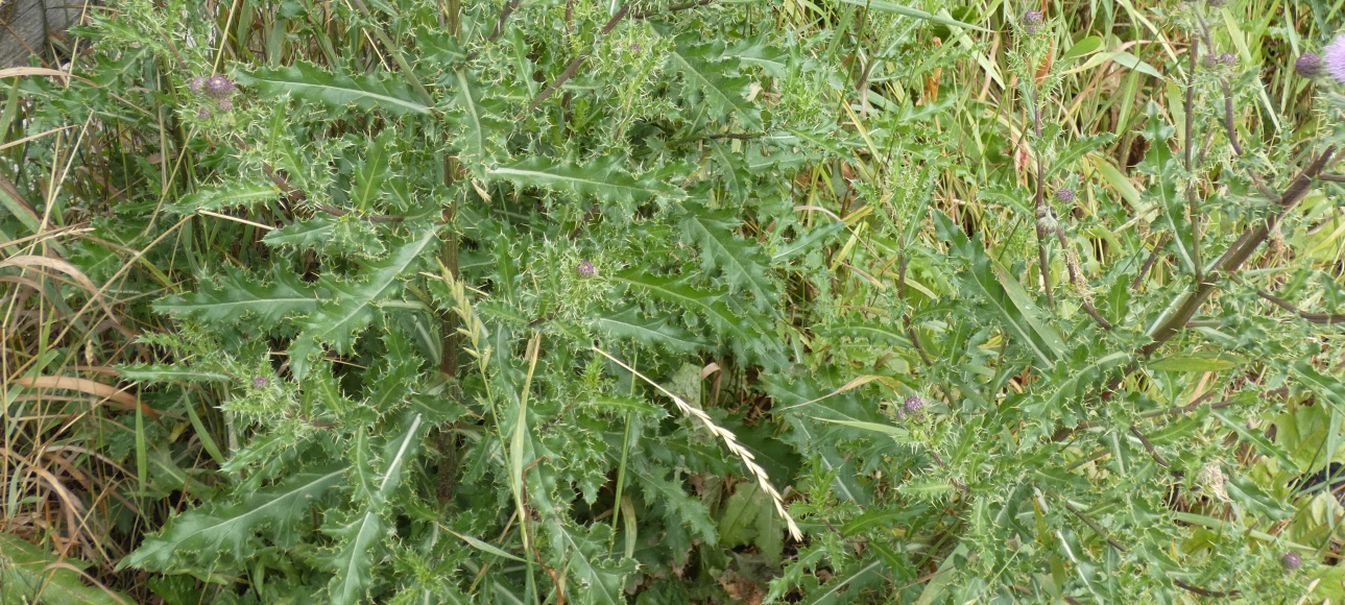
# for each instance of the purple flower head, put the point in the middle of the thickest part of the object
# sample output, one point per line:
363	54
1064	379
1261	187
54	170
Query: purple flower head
1309	65
913	405
219	86
1032	21
1334	58
1228	58
260	382
1291	560
225	105
197	84
586	269
1064	194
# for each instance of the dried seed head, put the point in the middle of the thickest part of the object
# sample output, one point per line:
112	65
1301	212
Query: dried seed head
1309	65
1334	58
1032	21
1064	194
219	86
1291	560
586	269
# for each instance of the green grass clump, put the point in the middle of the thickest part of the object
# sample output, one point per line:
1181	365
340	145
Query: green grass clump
848	301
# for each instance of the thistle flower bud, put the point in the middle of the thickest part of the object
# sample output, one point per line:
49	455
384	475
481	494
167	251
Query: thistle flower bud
913	405
1308	65
1334	58
219	86
585	269
203	114
225	104
1291	560
1064	194
197	84
1032	21
260	382
1228	59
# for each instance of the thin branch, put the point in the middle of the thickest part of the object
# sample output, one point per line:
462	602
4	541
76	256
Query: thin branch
1149	262
1043	258
1205	593
1076	277
1236	254
1317	318
573	67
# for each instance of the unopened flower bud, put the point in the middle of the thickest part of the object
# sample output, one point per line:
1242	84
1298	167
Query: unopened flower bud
586	269
1291	560
1308	65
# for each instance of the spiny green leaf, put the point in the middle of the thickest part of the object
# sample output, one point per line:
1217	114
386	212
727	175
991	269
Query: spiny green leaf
303	234
709	303
723	94
355	559
1016	314
217	531
29	574
338	321
603	179
235	295
170	373
744	267
677	507
309	82
371	175
628	323
219	197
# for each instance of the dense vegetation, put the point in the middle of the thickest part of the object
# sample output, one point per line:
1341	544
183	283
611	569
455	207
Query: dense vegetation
569	302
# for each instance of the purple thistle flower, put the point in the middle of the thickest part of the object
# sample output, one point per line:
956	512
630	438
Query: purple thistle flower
1309	65
197	84
1291	560
1228	58
225	105
260	382
586	269
913	405
1334	58
219	86
1032	21
1064	194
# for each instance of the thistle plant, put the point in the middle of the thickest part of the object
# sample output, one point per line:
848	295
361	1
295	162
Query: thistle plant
676	302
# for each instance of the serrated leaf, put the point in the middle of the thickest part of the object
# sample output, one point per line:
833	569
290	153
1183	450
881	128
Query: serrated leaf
676	506
598	579
226	530
357	554
603	179
372	173
303	234
723	94
338	321
628	323
709	303
235	295
1019	317
170	373
744	267
29	574
309	82
229	195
